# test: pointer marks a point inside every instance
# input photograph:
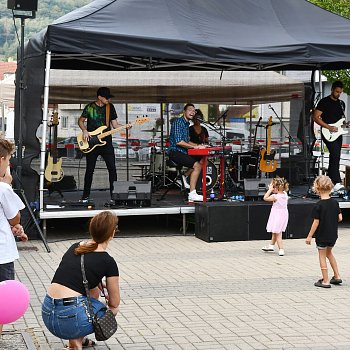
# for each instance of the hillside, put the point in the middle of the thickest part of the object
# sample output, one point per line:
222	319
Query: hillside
48	11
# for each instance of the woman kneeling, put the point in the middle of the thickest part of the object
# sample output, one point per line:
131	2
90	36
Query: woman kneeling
65	309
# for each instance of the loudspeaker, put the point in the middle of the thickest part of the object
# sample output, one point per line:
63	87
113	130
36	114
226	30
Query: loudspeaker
258	213
347	177
22	5
132	193
298	164
300	218
254	188
221	222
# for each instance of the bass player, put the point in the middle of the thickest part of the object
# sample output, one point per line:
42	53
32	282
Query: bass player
329	110
95	114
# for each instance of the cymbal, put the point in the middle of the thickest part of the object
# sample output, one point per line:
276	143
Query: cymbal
151	130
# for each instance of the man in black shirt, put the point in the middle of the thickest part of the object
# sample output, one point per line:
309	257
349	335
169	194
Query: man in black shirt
94	115
328	111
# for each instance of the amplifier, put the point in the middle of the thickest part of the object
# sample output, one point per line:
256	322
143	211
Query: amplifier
132	193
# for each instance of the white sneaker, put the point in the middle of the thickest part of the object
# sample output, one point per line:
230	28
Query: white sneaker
268	248
185	181
338	187
281	252
195	197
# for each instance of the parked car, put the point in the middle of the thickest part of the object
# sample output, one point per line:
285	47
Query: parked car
68	147
146	146
119	146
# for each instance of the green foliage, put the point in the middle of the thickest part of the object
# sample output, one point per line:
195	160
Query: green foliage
342	8
48	11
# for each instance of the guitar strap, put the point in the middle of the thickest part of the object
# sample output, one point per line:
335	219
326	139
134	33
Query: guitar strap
108	108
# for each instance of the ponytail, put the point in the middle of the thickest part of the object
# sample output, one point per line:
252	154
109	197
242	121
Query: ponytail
85	248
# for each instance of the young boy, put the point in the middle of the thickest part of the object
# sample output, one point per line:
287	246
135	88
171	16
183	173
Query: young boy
326	215
10	205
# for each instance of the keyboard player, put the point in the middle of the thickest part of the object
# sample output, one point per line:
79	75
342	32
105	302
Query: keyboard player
178	151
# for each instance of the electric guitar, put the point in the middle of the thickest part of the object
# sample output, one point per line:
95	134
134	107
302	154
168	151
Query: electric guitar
267	162
255	153
53	171
331	136
97	136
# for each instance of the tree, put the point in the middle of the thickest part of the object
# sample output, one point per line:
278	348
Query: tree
342	8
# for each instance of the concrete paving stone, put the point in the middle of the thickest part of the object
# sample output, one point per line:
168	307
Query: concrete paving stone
181	286
140	346
208	346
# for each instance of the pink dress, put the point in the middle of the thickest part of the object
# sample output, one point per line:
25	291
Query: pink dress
278	218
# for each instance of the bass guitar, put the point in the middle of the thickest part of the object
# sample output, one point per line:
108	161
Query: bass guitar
53	171
331	136
267	162
97	136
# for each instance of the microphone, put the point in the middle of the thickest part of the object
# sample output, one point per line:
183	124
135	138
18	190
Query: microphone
200	119
270	107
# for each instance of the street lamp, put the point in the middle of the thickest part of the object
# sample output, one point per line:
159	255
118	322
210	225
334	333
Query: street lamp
21	9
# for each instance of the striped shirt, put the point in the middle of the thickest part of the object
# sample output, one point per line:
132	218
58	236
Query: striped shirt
179	132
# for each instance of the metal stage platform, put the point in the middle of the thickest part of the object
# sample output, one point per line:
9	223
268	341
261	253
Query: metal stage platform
67	206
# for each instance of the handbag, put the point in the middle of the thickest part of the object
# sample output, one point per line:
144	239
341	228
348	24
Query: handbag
106	325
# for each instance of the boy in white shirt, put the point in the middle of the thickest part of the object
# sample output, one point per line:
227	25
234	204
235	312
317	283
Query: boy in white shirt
10	205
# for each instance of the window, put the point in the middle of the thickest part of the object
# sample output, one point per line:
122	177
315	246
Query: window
64	121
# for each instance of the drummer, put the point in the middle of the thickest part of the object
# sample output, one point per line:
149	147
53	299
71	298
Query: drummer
179	145
198	133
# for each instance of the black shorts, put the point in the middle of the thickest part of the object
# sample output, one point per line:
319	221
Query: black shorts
183	158
324	245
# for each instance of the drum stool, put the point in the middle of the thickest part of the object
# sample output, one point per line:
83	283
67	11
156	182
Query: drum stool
177	181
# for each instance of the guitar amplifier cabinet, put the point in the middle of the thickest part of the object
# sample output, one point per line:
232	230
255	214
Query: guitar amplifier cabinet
132	193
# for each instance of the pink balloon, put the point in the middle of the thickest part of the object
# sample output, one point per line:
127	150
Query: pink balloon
14	301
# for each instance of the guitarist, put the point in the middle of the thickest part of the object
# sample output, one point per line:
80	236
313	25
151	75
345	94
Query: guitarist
95	114
328	111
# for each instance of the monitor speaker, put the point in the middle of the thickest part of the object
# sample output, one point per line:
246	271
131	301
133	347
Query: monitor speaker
132	193
22	5
255	188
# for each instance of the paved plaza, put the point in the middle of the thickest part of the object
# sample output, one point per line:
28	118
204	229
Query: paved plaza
179	292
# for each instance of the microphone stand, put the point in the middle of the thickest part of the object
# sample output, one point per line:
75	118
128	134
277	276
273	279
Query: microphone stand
290	139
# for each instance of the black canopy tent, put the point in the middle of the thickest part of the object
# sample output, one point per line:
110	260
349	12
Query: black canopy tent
180	35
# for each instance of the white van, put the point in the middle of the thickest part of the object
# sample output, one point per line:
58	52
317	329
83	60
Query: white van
230	133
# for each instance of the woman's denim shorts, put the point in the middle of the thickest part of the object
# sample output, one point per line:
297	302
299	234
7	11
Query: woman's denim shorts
69	318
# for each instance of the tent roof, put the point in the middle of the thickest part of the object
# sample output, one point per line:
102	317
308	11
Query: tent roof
198	34
197	86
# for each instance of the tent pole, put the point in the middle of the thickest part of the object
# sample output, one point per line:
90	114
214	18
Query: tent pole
250	126
127	141
44	129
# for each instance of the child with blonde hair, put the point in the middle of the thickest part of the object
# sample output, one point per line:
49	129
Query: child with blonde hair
279	215
326	215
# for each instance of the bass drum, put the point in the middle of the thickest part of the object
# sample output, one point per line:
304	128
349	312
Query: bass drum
212	177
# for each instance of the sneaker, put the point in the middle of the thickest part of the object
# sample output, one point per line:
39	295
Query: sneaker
195	197
281	252
268	248
185	181
338	187
84	199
